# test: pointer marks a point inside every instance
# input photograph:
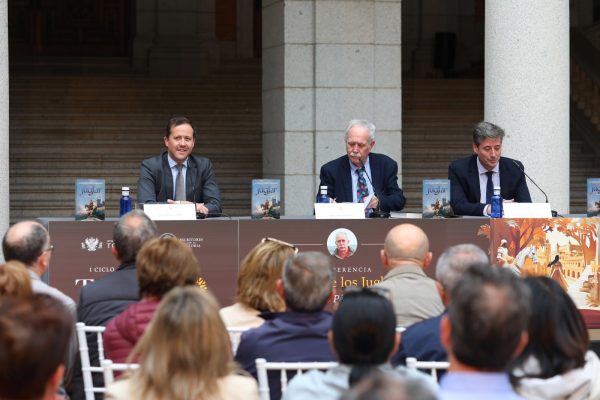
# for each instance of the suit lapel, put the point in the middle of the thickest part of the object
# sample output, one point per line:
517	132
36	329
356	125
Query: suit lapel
375	172
347	181
167	177
474	179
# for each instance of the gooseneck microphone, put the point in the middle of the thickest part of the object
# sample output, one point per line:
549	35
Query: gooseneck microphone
554	213
375	213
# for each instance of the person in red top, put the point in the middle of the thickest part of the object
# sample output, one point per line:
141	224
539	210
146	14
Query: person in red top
162	264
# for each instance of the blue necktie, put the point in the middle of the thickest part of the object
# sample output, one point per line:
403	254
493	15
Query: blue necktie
489	190
362	189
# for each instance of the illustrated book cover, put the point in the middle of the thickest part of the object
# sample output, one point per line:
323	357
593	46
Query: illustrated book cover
90	199
266	199
436	197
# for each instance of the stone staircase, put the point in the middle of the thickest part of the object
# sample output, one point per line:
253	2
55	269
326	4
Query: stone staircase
65	126
438	117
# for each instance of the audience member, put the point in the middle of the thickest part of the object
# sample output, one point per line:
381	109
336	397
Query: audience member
185	354
405	255
556	364
422	339
102	300
363	335
388	386
472	179
257	284
35	333
360	173
29	243
15	280
486	327
178	176
162	264
299	333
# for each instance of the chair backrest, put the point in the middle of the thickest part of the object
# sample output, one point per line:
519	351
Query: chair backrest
109	368
432	366
235	334
262	366
86	368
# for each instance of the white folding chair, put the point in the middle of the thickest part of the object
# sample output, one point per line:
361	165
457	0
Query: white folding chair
235	335
86	368
262	366
432	366
109	368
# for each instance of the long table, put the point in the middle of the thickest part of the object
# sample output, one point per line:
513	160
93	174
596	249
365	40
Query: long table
83	249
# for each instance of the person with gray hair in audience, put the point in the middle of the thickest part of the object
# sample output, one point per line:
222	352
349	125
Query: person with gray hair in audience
299	333
422	340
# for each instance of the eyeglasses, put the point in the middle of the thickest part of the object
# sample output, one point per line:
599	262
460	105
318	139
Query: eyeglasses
281	242
49	249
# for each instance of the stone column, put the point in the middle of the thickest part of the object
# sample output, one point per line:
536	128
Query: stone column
4	154
527	89
325	63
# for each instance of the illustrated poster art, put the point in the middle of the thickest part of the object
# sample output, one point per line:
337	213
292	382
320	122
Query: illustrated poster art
90	198
436	197
564	249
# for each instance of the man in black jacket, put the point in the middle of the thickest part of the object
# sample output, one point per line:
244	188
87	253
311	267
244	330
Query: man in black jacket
101	300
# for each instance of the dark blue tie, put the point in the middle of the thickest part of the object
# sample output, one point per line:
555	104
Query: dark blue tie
489	190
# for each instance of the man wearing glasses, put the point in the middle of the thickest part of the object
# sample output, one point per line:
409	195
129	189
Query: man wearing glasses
359	174
29	243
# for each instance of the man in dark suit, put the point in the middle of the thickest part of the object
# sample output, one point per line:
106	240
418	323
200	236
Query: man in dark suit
300	333
351	178
103	299
472	179
176	175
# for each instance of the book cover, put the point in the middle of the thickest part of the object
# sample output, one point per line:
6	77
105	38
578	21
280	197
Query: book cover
593	197
90	199
436	197
266	199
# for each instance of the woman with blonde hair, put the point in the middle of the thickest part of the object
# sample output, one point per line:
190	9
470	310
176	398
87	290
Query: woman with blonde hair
185	355
257	284
15	280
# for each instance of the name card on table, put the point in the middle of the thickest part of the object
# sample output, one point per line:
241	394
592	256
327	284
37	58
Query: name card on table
527	210
339	211
170	212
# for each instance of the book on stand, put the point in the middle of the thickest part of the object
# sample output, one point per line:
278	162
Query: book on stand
90	199
593	197
266	199
436	197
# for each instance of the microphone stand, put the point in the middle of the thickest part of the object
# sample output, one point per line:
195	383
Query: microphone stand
375	213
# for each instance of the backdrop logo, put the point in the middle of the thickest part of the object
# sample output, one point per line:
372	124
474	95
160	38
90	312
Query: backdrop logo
168	235
91	244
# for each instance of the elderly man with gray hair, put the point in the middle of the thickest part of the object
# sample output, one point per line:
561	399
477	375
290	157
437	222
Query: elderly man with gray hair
472	179
422	340
299	333
355	176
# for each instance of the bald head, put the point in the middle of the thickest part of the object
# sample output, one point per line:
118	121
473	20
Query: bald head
25	242
406	242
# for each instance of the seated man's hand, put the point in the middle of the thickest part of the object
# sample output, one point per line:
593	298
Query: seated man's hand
374	203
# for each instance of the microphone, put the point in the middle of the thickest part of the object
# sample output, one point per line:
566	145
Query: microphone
209	215
376	213
554	213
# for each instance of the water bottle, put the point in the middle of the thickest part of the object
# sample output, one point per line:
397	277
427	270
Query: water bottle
496	204
322	197
125	203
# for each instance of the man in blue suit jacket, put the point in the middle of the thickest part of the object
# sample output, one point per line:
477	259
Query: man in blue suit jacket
341	176
469	176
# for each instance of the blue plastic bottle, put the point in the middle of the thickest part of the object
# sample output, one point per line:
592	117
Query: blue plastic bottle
322	196
496	211
125	203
